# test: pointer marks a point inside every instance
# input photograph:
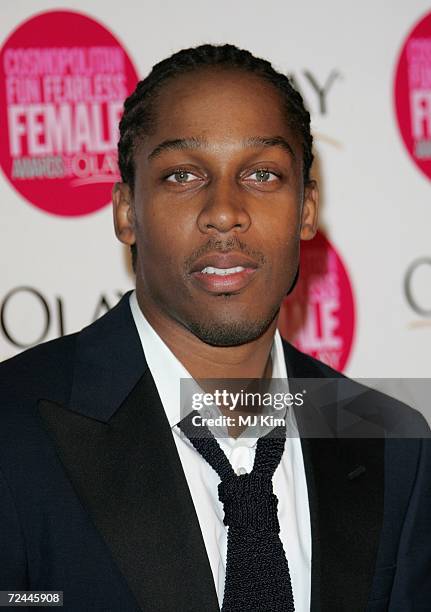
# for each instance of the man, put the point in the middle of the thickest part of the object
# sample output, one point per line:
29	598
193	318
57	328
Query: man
106	494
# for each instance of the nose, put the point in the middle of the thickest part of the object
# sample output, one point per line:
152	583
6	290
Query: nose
224	210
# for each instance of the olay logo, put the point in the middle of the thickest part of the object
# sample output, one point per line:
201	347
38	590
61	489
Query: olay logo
417	287
49	315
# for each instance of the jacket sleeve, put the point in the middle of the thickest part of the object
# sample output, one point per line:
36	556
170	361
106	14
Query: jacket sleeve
13	565
411	591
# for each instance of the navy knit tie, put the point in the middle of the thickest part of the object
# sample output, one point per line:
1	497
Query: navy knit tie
257	572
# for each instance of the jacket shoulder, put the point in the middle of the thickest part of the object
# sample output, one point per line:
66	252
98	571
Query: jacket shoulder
46	369
386	415
301	365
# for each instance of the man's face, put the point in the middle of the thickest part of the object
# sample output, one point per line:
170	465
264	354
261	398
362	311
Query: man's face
218	207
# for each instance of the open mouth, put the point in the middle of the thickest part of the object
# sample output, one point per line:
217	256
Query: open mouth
224	280
220	272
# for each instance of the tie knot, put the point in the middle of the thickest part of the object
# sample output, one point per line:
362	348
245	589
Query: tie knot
249	502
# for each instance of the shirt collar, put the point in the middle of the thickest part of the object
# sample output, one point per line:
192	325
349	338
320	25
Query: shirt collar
168	371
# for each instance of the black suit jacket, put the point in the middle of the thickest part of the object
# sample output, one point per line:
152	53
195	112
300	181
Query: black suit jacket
94	501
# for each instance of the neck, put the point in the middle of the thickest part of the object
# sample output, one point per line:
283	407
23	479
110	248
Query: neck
202	360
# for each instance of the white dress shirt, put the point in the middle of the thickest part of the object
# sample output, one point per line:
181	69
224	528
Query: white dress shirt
289	482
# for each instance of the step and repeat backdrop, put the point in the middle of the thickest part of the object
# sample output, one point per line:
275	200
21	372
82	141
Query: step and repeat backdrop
363	302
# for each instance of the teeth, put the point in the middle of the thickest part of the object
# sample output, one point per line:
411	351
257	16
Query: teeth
222	271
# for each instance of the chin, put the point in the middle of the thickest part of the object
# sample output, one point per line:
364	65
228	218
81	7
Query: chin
231	332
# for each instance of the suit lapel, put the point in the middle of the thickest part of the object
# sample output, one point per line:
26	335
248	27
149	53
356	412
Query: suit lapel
124	466
345	480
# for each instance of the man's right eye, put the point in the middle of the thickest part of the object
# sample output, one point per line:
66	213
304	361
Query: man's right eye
181	176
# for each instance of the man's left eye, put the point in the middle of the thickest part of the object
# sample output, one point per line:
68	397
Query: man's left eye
263	176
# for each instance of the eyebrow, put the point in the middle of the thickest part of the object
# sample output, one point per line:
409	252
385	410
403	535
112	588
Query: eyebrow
183	144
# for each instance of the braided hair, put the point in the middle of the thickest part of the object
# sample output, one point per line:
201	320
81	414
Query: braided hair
139	117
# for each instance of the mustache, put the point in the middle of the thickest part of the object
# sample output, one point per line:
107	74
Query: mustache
225	246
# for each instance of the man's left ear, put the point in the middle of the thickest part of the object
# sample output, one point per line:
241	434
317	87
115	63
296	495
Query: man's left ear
124	218
309	217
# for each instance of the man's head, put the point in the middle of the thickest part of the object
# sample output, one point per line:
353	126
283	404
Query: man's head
215	156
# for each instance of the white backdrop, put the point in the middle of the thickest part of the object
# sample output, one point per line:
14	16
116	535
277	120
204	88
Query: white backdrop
376	203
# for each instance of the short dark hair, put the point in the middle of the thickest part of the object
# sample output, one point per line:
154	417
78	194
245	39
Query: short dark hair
139	115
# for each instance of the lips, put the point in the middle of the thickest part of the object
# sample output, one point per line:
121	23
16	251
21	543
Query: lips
223	272
224	261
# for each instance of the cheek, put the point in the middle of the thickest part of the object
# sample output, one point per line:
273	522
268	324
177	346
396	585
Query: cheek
162	246
286	261
160	221
283	255
279	235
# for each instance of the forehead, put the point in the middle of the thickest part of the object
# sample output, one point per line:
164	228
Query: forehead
219	103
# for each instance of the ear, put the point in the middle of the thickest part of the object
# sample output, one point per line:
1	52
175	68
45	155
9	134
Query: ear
124	217
310	207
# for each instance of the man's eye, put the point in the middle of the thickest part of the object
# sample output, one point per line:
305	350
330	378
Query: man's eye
181	176
263	176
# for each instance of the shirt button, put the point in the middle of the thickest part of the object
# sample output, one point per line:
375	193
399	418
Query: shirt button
240	471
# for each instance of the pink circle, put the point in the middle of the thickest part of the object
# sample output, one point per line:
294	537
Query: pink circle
63	80
318	317
412	94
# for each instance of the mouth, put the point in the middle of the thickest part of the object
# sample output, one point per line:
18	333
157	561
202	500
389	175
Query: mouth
223	273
